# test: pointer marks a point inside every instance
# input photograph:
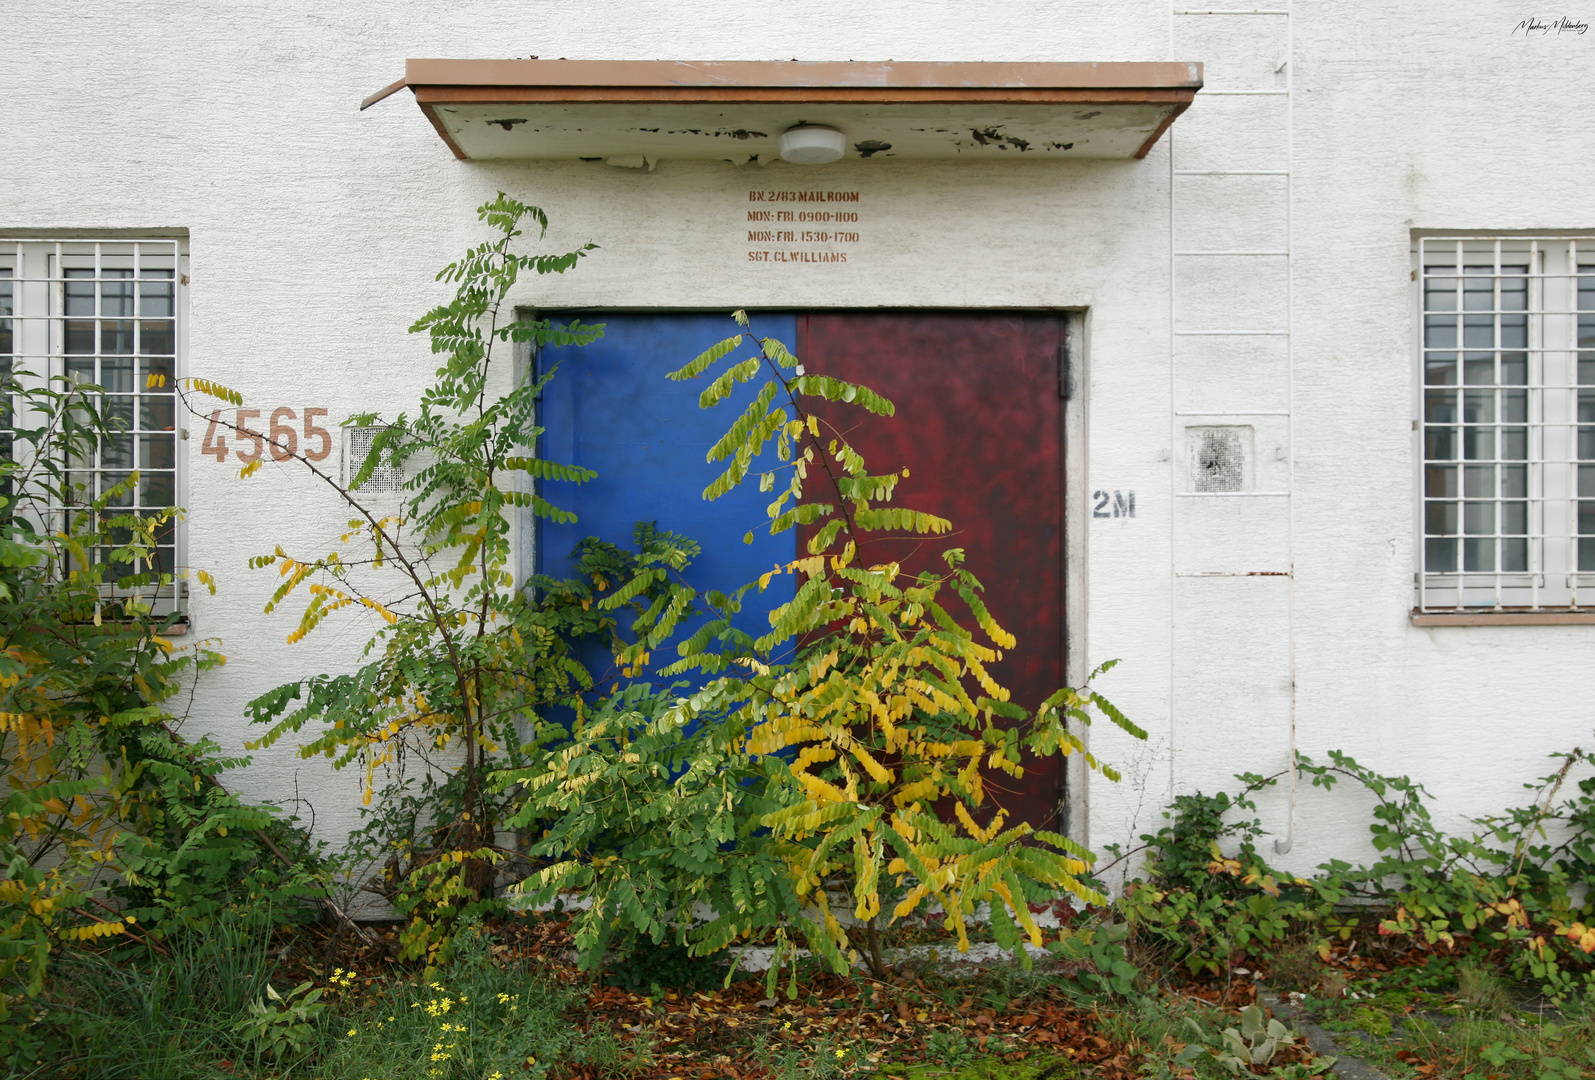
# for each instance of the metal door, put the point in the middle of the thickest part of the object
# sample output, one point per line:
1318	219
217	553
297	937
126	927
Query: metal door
979	424
610	408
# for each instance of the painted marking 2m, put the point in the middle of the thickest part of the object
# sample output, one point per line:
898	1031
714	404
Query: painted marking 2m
1117	504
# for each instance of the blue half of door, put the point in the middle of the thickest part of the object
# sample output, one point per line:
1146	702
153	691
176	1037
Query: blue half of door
609	408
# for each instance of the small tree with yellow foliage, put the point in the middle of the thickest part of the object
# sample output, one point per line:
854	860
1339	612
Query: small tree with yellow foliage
755	795
463	655
861	762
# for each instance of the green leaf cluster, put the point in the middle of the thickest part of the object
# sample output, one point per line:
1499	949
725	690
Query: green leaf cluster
652	812
1512	888
858	766
844	753
103	799
464	656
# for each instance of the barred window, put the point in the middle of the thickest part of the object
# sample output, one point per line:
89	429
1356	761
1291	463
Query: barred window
108	313
7	302
1507	423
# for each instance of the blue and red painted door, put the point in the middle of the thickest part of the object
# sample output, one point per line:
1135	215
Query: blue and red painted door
979	424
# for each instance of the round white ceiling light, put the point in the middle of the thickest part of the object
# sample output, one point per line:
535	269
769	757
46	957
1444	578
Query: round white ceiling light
812	145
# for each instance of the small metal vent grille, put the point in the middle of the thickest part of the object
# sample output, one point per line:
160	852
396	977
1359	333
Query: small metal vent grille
1218	459
383	477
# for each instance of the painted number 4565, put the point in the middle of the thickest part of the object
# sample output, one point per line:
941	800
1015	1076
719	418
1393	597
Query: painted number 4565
281	437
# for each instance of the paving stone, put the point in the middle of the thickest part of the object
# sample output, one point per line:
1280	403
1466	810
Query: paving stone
1347	1066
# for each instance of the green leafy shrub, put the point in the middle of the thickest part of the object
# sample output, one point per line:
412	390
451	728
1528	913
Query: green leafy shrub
111	827
850	774
283	1024
459	668
1514	885
1096	957
653	808
1201	908
1511	890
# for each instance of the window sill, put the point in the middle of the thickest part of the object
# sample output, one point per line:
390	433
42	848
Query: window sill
1502	618
177	629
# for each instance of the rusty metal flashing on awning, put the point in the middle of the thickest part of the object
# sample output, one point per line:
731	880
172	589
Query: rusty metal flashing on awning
736	110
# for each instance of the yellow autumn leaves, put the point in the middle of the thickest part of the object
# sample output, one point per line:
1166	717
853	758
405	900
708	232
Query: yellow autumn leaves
879	731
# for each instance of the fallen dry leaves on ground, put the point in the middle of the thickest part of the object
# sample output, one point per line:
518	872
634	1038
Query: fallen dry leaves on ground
872	1024
712	1034
880	1027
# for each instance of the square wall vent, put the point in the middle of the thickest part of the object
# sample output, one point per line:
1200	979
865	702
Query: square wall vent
1220	458
356	448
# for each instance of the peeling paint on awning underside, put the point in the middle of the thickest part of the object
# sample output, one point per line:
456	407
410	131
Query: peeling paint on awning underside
565	109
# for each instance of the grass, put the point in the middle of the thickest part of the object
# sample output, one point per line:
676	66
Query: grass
1035	1067
476	1018
167	1018
1481	990
1295	966
1451	1017
205	1012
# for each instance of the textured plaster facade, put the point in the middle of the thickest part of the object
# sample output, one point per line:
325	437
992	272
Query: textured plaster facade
315	230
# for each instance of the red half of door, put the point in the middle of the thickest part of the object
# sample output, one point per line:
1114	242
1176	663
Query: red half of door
979	424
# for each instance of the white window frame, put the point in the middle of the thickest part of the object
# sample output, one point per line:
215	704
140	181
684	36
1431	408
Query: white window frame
1522	557
39	273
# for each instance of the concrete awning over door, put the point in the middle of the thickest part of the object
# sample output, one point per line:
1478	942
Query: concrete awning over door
568	109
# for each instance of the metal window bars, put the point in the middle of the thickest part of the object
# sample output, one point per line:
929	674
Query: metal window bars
1506	420
7	306
107	313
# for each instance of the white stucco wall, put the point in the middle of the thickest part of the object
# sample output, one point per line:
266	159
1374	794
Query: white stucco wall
315	231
